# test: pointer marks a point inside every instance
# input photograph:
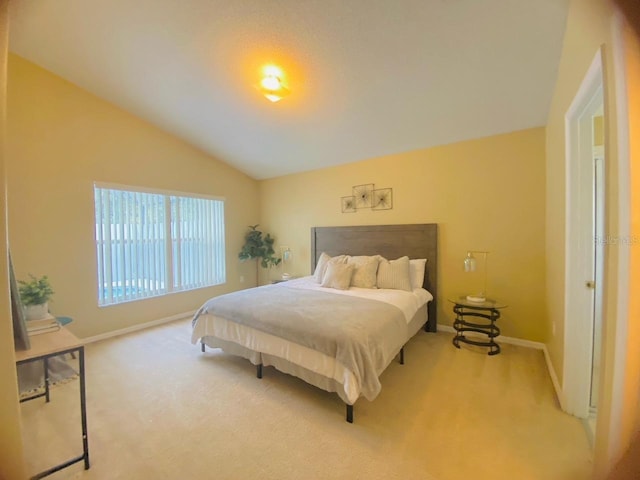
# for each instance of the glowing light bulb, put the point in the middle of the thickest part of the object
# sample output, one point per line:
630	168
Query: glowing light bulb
271	83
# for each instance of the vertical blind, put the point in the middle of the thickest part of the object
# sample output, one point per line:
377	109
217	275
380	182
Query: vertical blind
197	236
136	260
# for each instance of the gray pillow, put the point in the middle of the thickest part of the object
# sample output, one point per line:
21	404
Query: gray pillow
338	275
366	269
394	274
323	261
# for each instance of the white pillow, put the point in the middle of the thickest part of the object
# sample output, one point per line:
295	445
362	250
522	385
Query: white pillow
365	270
323	261
338	275
416	271
394	274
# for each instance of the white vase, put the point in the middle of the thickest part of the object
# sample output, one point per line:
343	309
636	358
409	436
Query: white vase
36	312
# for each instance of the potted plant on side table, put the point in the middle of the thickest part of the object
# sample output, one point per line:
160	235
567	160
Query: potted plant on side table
35	295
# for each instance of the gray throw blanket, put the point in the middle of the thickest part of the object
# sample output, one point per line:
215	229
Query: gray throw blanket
362	334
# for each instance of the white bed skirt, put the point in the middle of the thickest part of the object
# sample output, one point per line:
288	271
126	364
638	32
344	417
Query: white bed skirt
309	365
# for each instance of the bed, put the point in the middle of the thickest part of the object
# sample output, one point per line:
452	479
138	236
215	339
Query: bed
286	325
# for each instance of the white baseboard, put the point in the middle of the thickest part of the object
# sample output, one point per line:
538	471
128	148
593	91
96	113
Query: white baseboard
140	326
554	378
513	341
523	343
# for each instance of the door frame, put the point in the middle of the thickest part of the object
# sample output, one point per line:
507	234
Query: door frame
578	337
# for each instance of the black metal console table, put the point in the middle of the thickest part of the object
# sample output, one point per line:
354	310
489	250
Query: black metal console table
466	314
43	347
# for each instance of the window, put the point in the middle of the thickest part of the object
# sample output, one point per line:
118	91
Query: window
135	259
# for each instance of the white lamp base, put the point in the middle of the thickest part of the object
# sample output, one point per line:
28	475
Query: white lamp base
476	298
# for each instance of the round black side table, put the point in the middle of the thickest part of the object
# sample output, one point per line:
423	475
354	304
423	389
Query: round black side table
466	314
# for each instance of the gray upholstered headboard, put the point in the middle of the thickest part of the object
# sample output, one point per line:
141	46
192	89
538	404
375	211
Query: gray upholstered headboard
390	241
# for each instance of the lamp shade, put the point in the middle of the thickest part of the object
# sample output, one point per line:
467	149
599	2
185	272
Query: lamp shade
470	266
469	263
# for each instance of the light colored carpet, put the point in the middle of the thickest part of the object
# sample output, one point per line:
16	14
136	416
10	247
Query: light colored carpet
31	375
160	409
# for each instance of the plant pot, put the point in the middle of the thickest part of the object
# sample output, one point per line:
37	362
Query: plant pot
36	312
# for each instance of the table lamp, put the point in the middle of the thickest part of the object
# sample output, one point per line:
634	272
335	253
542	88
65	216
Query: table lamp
470	266
286	259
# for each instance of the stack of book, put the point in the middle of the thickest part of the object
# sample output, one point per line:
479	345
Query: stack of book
43	325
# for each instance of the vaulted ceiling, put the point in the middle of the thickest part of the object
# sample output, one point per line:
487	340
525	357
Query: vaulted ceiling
367	77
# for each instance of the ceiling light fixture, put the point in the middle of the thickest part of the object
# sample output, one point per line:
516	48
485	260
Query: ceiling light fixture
271	85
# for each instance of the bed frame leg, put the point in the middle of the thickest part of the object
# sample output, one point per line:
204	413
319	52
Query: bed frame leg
202	346
259	371
350	413
402	356
430	326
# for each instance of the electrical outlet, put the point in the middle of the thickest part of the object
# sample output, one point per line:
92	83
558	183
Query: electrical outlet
553	328
241	278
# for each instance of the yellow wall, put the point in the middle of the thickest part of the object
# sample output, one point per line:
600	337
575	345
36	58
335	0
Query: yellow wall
630	404
598	131
633	91
485	194
11	455
61	140
590	26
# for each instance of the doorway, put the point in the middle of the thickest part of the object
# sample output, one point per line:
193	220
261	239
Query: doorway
600	242
585	241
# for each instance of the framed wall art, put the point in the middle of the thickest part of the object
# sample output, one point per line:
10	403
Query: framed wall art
366	196
20	334
363	195
382	199
349	204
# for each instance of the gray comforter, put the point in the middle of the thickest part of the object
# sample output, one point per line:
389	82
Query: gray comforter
359	333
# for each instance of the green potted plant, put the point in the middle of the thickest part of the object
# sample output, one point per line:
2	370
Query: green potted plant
259	247
35	295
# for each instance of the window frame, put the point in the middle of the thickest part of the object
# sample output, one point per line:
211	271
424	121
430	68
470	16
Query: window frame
169	271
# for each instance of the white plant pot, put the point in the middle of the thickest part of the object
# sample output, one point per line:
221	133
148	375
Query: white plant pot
36	312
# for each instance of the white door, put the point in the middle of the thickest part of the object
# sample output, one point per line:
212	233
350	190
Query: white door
584	242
